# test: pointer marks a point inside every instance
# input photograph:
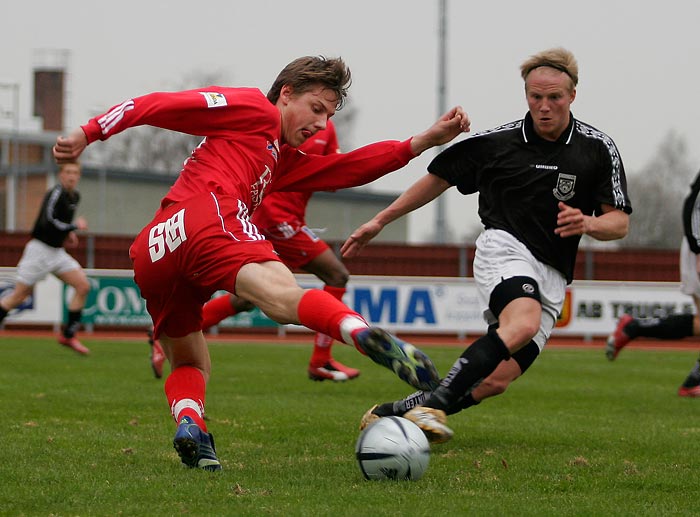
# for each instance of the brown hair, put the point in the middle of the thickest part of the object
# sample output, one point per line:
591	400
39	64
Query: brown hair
557	58
307	72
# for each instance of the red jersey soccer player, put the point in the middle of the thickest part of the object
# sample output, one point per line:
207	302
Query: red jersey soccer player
202	240
281	219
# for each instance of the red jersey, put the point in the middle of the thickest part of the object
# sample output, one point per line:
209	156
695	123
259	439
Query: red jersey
240	154
290	207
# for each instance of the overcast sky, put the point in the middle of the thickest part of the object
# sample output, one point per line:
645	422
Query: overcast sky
639	62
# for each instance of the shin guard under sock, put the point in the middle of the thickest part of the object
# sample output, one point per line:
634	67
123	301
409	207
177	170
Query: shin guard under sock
216	310
320	311
475	364
323	342
73	323
185	390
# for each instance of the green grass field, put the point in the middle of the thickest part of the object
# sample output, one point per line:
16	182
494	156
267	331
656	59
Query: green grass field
576	436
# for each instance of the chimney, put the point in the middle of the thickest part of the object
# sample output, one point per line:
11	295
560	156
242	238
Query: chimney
50	79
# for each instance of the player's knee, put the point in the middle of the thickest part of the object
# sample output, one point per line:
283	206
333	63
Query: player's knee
82	288
17	296
241	305
527	328
283	306
338	278
519	321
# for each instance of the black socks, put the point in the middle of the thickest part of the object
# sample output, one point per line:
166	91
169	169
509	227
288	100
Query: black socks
73	323
673	326
475	364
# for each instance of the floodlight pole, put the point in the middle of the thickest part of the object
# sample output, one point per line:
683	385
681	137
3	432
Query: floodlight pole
11	188
440	219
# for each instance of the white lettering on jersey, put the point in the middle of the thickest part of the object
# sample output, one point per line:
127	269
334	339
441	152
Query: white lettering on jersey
214	99
273	149
193	151
287	230
113	116
169	234
257	189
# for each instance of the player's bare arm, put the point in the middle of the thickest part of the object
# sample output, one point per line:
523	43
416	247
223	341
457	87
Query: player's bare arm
612	224
420	193
444	130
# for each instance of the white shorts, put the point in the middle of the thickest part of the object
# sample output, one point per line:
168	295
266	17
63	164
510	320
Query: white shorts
500	256
690	283
39	259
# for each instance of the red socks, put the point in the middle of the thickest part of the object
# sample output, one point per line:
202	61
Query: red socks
185	389
320	311
216	310
322	342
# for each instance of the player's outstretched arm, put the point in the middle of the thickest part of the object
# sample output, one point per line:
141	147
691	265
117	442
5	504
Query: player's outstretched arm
443	131
421	192
69	148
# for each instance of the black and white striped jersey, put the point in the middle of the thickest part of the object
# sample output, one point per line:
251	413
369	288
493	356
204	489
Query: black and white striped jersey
521	178
691	216
55	219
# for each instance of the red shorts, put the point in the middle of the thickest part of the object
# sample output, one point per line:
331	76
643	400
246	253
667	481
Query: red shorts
299	248
189	251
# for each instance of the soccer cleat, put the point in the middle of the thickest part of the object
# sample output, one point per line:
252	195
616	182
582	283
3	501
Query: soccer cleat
692	391
195	447
72	342
409	363
432	423
332	371
352	373
369	418
157	358
326	373
618	339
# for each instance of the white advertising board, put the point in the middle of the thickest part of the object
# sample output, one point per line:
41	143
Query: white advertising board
400	304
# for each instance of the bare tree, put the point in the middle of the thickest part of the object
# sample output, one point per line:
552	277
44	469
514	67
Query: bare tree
657	194
152	149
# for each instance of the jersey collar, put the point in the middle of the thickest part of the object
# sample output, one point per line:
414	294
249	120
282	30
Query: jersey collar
529	135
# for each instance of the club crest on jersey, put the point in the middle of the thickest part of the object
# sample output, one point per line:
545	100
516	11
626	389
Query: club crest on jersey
273	149
214	99
565	187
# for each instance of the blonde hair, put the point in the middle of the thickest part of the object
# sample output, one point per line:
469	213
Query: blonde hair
558	58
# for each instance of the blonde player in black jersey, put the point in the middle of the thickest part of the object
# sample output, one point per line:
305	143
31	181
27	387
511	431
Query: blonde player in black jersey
44	253
543	182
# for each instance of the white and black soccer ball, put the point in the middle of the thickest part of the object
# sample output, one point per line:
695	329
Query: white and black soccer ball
392	448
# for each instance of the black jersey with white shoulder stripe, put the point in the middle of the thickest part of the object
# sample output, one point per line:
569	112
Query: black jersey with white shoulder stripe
55	219
691	216
521	178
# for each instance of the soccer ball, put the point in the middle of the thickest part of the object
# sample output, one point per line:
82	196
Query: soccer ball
392	448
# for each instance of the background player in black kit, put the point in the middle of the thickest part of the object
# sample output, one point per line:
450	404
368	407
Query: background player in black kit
45	253
543	182
673	326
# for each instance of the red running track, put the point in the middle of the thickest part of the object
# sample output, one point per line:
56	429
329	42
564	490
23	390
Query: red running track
304	337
